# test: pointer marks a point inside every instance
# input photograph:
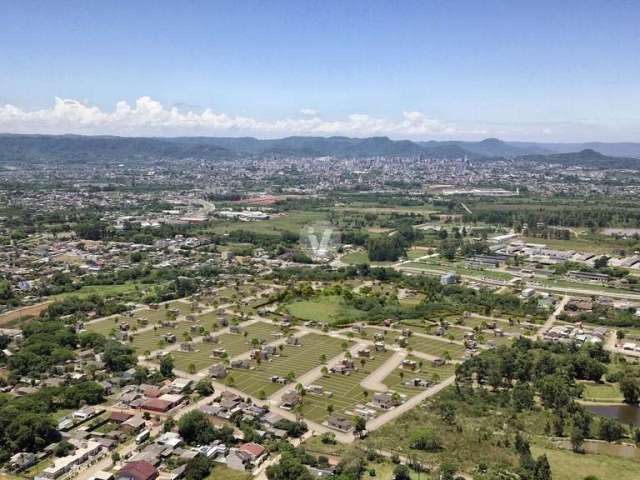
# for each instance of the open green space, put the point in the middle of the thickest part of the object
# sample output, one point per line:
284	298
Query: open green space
346	390
234	344
295	359
427	371
602	392
566	465
292	222
329	308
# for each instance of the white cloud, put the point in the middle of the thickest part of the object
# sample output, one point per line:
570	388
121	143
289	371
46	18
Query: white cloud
149	117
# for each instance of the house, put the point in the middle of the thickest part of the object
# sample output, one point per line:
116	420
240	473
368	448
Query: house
380	347
133	424
409	364
156	405
364	353
139	470
62	465
241	364
385	401
238	460
293	341
179	385
255	450
84	413
448	279
235	329
22	460
290	399
187	347
218	353
218	371
340	423
119	417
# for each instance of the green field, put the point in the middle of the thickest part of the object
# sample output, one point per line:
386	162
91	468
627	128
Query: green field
298	360
151	340
222	472
322	309
566	464
427	372
433	346
292	222
601	392
234	344
346	389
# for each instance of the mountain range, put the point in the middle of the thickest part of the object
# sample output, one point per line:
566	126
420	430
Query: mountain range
17	149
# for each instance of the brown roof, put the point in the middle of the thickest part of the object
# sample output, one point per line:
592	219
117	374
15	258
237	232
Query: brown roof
139	470
120	417
156	404
252	449
152	392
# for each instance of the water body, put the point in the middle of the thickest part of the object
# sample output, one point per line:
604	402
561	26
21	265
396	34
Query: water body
627	414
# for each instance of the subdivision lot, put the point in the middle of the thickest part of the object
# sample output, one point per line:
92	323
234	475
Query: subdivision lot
432	346
295	359
322	309
151	340
346	390
234	344
427	371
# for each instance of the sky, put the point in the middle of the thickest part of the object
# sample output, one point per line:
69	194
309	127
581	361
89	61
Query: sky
550	71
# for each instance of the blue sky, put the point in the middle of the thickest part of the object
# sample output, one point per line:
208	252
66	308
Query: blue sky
547	71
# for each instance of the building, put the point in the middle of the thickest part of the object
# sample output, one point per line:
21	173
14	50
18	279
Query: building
448	279
139	470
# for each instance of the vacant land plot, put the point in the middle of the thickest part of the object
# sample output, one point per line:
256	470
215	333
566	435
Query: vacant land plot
106	325
234	344
436	347
322	309
151	340
396	381
291	222
346	390
602	392
298	360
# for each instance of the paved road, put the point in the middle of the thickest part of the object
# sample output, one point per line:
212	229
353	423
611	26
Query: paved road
374	381
552	318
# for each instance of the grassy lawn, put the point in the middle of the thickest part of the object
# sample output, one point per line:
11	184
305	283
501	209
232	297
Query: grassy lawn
151	340
346	389
234	344
565	465
427	372
104	290
321	309
298	360
602	392
290	222
435	347
222	472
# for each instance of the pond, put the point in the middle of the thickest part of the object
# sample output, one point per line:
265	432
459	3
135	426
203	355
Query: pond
627	414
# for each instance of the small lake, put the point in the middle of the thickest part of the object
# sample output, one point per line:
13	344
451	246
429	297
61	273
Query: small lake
627	414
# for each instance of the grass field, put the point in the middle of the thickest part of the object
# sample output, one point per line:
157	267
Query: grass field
104	290
291	222
427	372
150	340
298	360
566	465
222	472
321	309
234	344
346	389
602	392
433	346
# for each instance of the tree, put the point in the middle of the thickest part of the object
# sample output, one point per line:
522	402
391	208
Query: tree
522	396
630	388
198	468
360	425
115	457
289	468
610	430
401	472
425	439
542	470
166	366
118	357
447	471
194	427
204	387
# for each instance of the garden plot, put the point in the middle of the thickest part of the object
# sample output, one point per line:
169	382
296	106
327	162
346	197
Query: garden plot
293	359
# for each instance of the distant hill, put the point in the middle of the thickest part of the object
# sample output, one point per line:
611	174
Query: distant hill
100	149
96	149
491	147
586	158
